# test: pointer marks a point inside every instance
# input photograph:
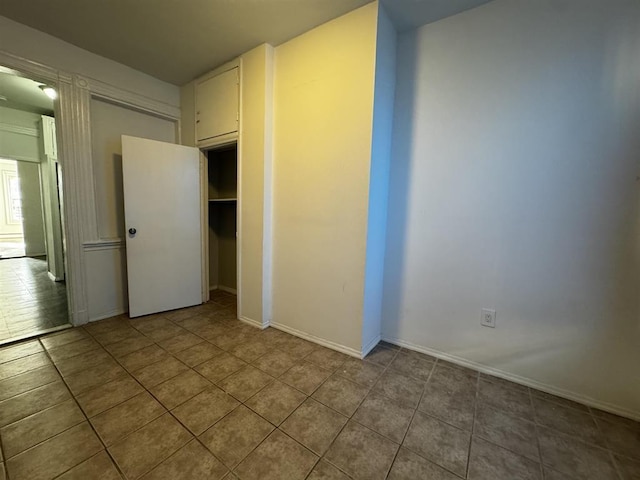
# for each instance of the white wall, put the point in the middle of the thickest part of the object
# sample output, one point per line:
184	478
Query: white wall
19	133
323	113
255	151
514	186
385	77
32	217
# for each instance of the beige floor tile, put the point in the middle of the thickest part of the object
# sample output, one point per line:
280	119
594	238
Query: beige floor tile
245	383
126	417
621	438
25	433
180	342
327	358
72	349
205	409
400	388
180	388
305	376
92	377
450	395
439	442
362	373
83	361
143	358
409	466
325	471
165	331
98	467
130	344
511	400
236	435
102	398
141	451
508	431
116	335
3	474
24	382
341	395
314	426
159	372
362	453
25	404
191	462
489	461
298	347
413	364
220	367
62	338
383	415
19	350
568	420
630	469
251	350
23	364
276	401
277	458
381	355
275	362
198	354
55	456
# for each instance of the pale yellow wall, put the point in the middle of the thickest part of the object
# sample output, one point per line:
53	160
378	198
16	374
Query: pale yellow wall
323	113
255	149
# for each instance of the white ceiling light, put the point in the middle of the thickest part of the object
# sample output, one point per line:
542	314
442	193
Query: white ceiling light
49	91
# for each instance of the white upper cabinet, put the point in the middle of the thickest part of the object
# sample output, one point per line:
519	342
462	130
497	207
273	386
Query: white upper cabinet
217	107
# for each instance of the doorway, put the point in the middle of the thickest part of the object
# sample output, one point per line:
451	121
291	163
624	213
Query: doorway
33	297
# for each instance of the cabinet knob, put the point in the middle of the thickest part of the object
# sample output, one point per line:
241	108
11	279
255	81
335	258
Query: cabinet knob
132	231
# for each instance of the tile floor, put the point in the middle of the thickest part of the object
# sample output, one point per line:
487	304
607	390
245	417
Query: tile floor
30	302
195	394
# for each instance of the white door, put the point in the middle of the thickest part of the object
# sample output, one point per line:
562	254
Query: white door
162	225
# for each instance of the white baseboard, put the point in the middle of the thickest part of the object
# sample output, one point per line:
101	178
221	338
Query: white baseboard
112	313
253	323
527	382
320	341
370	346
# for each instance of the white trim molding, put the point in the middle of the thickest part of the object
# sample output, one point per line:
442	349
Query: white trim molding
106	244
352	352
19	129
110	93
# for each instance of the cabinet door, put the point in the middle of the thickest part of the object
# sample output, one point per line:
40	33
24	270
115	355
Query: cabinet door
217	105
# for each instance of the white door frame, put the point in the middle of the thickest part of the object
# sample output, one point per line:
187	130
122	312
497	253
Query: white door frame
73	132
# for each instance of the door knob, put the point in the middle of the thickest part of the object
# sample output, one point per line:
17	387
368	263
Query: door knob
132	231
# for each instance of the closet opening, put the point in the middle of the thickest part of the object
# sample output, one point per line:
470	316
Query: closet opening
222	186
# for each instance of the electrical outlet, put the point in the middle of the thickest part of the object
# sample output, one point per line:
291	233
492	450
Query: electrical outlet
488	318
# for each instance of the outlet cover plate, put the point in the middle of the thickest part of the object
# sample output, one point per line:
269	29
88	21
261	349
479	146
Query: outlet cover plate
488	318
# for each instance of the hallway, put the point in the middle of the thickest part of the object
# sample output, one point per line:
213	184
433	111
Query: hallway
30	302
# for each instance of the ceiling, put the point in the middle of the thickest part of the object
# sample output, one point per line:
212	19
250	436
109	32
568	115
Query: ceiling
23	94
178	40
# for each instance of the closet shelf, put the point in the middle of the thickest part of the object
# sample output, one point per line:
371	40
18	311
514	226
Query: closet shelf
223	199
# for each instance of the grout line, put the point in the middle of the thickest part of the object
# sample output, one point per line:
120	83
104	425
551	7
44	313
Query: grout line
473	425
